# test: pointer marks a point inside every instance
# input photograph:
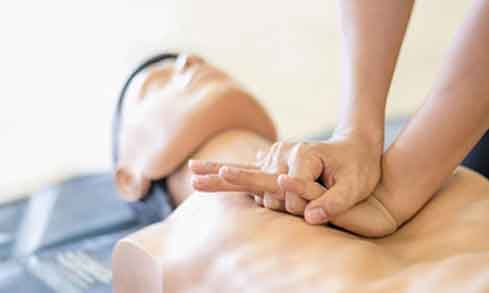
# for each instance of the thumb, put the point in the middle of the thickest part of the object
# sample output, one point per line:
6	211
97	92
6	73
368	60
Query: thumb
333	202
309	190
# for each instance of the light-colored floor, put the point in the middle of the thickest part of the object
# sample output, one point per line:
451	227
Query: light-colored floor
62	64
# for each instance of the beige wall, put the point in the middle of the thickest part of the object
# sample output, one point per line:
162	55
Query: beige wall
62	64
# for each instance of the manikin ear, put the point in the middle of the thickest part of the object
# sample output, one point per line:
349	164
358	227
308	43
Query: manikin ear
132	185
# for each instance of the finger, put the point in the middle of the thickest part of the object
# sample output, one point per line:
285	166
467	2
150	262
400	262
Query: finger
309	190
201	167
252	180
273	203
280	195
276	165
265	158
258	200
333	202
214	183
295	204
304	165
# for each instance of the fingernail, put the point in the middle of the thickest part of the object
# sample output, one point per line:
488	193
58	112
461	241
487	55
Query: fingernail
258	200
267	201
289	196
282	177
292	204
270	202
316	216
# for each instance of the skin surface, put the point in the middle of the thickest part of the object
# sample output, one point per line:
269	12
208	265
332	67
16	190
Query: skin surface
415	165
313	161
350	162
225	242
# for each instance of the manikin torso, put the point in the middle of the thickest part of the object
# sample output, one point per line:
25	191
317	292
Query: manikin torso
226	243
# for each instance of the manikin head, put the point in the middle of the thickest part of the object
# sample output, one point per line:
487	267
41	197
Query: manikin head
161	108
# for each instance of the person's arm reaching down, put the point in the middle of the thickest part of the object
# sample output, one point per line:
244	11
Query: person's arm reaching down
444	130
373	33
448	125
350	162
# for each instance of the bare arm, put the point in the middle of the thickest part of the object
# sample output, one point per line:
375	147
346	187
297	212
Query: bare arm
453	119
449	124
372	37
350	162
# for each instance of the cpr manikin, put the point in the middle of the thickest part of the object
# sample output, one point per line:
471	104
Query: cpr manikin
225	242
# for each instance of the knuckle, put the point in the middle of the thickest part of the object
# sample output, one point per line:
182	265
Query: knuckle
270	202
300	148
313	191
271	163
305	150
335	206
297	154
279	154
275	146
280	146
282	149
275	165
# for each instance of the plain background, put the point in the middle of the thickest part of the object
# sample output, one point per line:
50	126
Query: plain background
62	64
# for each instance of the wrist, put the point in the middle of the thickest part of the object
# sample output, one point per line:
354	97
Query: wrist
368	134
362	116
370	137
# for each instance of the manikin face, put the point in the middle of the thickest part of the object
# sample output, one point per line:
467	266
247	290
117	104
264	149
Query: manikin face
185	78
171	108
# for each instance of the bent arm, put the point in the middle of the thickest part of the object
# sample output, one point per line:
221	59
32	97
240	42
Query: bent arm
448	125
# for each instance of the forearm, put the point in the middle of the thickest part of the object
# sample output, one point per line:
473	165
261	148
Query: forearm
372	37
448	125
